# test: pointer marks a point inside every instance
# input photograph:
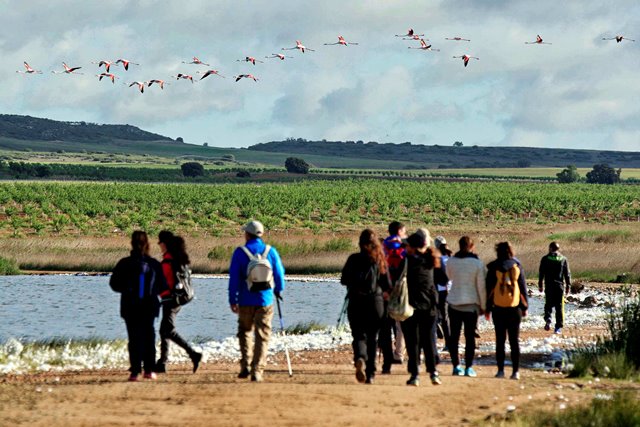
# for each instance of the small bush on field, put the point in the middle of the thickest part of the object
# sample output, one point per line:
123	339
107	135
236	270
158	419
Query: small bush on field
618	355
8	267
620	409
304	328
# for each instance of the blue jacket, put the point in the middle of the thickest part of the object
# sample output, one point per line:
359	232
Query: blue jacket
239	291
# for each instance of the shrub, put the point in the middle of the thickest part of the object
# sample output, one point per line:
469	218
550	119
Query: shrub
603	174
568	175
8	267
192	169
243	174
296	165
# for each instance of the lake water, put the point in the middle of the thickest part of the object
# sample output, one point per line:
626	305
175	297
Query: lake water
80	307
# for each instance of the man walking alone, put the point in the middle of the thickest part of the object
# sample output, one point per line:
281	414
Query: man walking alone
554	273
256	275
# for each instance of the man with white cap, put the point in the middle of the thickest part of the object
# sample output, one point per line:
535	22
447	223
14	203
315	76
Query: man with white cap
256	275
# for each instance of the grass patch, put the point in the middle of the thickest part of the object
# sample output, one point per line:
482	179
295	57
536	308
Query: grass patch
620	409
304	328
8	267
306	247
594	236
57	343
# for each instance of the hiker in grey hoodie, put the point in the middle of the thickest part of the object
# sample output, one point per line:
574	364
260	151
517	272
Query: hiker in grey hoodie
467	300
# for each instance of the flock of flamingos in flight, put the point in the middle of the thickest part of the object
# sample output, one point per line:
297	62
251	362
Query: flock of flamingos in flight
410	35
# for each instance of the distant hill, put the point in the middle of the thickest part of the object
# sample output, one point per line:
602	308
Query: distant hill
33	128
448	157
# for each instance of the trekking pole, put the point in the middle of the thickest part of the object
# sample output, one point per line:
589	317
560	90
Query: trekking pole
286	350
341	318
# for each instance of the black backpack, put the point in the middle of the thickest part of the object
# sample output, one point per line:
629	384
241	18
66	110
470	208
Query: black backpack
183	289
367	281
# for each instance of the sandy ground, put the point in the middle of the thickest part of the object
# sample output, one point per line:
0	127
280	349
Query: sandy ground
322	391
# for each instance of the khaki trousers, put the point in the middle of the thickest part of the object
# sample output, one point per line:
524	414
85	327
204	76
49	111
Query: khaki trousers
258	318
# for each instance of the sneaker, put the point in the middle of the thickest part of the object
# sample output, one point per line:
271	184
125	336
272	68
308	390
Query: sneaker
370	380
547	326
150	376
435	379
244	373
469	372
196	358
160	367
360	374
133	378
256	377
558	331
457	371
515	376
413	381
500	374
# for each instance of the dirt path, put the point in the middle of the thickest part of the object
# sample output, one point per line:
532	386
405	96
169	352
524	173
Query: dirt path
323	391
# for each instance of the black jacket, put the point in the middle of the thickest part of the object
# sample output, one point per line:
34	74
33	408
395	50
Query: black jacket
554	269
505	265
362	277
139	280
423	294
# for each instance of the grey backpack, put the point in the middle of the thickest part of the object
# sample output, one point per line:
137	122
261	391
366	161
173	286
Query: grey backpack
259	270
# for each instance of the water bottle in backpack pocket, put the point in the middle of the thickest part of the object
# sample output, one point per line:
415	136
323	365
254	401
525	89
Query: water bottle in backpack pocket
259	270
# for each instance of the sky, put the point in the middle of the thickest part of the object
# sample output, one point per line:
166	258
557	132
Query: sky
578	92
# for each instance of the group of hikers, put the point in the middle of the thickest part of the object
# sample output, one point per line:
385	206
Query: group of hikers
446	292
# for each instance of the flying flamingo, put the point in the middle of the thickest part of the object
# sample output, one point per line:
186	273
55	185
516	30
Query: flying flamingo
249	59
160	83
618	39
196	61
458	39
125	63
246	76
29	70
109	75
410	33
279	56
415	37
183	76
210	72
341	41
140	85
67	70
538	41
466	58
107	64
424	46
300	47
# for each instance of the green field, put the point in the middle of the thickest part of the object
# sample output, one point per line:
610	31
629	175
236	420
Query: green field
96	209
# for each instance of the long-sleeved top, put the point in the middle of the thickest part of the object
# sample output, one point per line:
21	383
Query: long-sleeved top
492	279
467	275
139	280
169	274
239	292
423	294
554	271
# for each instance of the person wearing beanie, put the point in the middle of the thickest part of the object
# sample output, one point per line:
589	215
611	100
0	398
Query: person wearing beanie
443	285
554	274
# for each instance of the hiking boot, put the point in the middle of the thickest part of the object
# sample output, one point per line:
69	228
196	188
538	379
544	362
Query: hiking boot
370	379
256	377
244	373
435	379
160	367
360	374
469	372
515	376
500	374
196	358
150	376
457	371
133	378
558	331
413	381
547	326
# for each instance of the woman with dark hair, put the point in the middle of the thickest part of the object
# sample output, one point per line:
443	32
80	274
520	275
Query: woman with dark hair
467	300
139	279
507	301
174	259
365	275
423	297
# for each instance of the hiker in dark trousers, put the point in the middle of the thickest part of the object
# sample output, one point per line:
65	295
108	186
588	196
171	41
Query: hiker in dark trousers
554	274
467	300
395	253
423	297
507	302
443	284
174	258
365	275
139	280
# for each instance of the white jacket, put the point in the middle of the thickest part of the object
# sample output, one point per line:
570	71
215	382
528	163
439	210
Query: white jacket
467	276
